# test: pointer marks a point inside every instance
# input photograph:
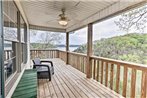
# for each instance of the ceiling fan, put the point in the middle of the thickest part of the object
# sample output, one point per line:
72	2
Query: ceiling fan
63	21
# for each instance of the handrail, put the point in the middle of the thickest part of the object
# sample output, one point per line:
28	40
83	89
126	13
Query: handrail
75	53
44	50
125	63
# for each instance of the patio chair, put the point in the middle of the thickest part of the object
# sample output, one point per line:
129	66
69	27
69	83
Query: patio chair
9	67
43	70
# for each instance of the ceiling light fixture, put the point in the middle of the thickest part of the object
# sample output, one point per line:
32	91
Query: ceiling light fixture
63	21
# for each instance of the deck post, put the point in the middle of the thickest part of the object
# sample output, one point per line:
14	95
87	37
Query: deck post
67	46
2	80
19	53
89	50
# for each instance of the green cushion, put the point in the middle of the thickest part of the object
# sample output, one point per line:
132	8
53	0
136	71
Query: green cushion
27	87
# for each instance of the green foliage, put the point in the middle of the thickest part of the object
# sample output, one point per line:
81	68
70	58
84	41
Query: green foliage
81	49
130	47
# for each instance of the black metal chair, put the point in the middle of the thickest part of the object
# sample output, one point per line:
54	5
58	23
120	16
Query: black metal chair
9	67
43	70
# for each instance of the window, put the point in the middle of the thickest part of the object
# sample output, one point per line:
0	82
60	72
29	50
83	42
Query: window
25	52
22	32
10	21
9	58
22	28
10	37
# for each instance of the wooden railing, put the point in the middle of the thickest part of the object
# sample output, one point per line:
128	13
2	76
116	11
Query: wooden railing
52	53
62	55
77	60
7	54
127	79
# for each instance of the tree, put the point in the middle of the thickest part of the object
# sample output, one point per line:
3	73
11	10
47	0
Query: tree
10	33
45	39
133	21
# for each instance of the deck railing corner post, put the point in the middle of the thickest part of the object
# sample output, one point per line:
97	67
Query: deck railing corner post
67	46
89	51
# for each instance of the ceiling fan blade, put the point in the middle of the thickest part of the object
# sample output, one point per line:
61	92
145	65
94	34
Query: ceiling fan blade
52	13
51	21
71	14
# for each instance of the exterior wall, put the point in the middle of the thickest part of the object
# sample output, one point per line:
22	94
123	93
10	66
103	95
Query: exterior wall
17	76
25	18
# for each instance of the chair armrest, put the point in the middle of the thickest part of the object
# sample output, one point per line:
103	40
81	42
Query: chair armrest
41	65
47	62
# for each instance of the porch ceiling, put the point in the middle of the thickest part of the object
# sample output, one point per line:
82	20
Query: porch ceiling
45	13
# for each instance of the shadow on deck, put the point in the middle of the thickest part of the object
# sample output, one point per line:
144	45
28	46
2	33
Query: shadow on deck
68	82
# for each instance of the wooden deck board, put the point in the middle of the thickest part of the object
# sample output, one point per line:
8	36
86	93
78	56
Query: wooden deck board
68	82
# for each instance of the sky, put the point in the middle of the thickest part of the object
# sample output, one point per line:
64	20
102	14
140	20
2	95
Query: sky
104	29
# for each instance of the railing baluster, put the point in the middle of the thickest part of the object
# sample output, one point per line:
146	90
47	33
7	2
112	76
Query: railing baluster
85	64
97	78
144	84
81	58
133	83
48	54
35	54
94	68
102	63
53	54
106	75
125	81
111	76
77	62
117	78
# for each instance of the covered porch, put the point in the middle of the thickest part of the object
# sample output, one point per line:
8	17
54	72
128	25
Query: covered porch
77	75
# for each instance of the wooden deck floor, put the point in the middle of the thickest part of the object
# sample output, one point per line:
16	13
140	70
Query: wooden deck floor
68	82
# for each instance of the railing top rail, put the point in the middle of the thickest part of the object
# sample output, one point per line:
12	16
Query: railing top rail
122	63
62	51
80	54
44	50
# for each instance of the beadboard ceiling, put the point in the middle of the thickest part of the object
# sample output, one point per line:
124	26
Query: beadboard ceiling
45	13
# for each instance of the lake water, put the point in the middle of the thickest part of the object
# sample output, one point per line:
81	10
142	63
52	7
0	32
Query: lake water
60	48
64	48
